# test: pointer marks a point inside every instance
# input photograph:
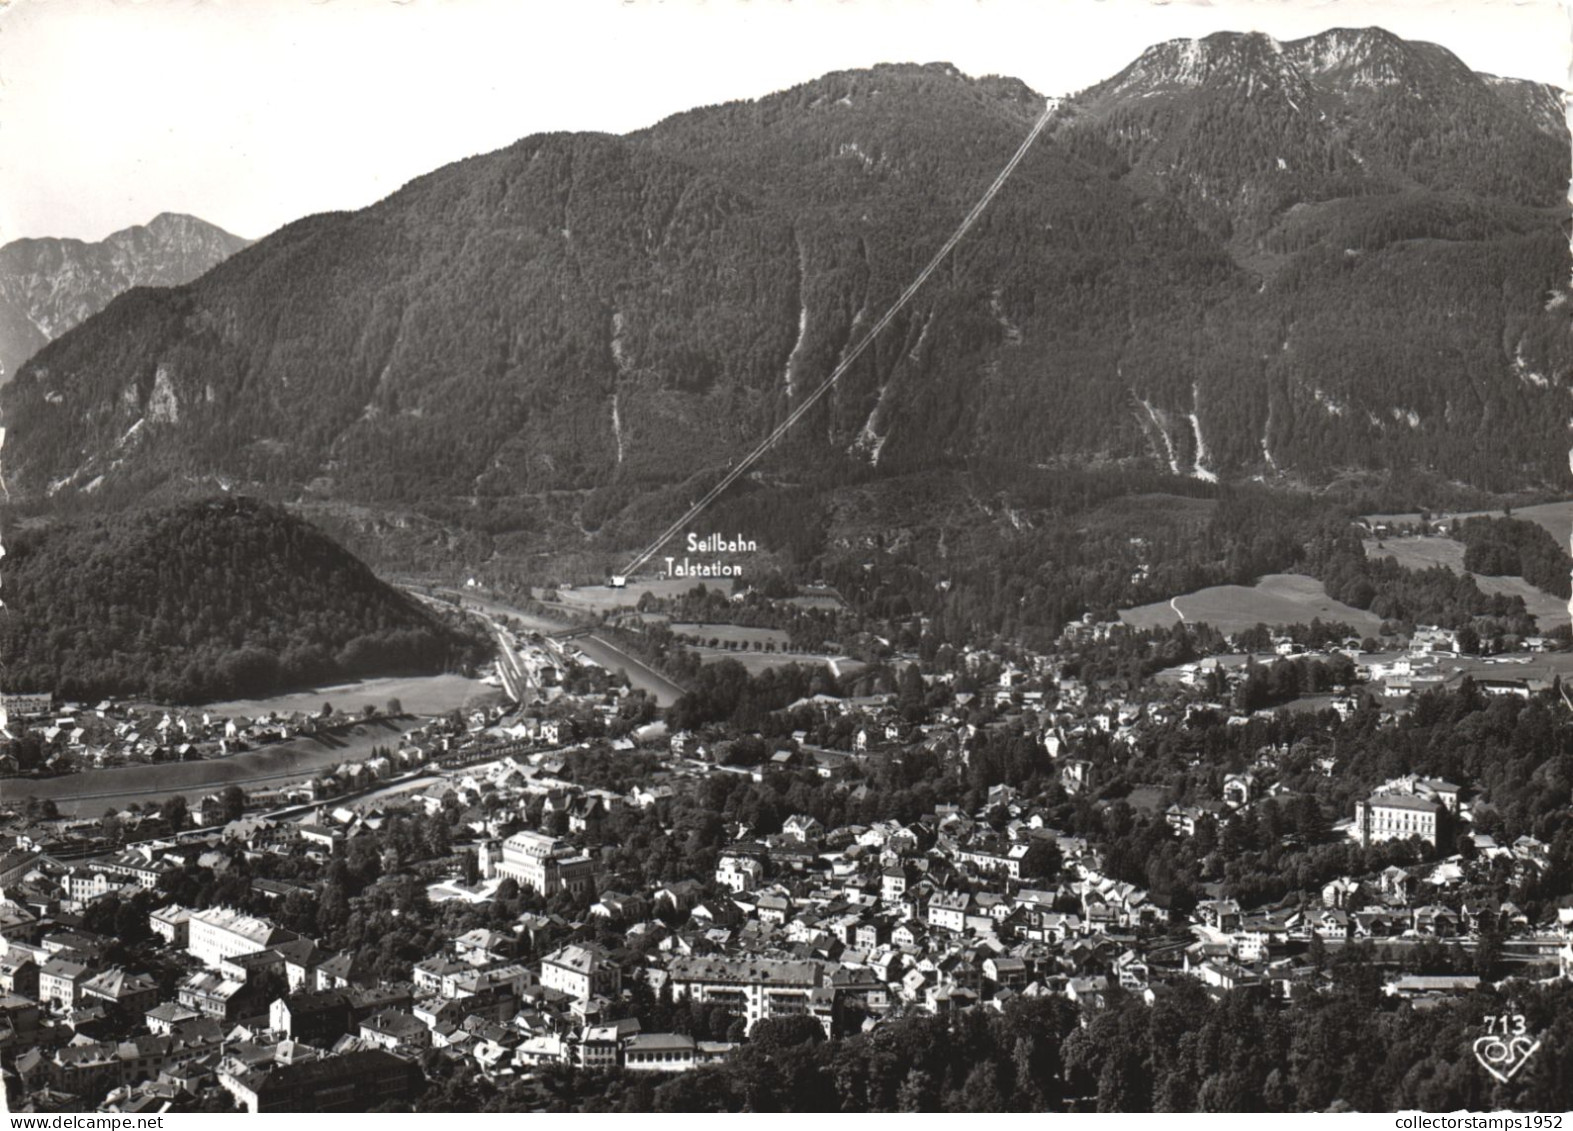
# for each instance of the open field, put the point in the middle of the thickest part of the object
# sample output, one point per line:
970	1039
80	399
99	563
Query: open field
756	662
90	793
733	634
1557	518
1418	553
1278	598
595	598
420	695
1433	550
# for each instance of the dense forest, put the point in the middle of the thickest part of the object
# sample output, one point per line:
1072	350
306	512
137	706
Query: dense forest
216	599
1186	1052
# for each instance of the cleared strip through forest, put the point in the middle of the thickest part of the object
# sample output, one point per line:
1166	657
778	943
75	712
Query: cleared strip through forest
741	467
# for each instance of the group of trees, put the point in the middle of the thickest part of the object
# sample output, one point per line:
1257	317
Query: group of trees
1286	680
1187	1051
210	600
726	692
1516	548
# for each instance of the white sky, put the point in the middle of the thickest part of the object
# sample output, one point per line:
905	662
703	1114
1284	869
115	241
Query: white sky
253	113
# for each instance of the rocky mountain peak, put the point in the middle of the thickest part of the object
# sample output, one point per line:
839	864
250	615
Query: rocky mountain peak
1244	63
49	285
1374	58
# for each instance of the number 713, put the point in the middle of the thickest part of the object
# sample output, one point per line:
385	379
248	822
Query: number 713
1505	1024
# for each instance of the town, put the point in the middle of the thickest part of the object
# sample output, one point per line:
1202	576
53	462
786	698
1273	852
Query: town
516	897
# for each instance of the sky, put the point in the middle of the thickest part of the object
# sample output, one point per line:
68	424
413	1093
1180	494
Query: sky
253	113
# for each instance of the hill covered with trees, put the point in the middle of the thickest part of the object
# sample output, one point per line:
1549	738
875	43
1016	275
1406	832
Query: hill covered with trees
215	599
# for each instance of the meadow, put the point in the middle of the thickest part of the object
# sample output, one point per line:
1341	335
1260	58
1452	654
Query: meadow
1276	599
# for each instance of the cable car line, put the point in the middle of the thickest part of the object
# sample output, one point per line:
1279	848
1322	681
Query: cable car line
808	402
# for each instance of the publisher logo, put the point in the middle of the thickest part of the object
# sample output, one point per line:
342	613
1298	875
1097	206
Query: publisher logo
1503	1054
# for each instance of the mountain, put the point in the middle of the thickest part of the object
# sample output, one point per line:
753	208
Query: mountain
1339	256
212	599
47	286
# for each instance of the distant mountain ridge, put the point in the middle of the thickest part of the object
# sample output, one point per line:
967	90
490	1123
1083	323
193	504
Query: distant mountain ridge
49	285
1236	258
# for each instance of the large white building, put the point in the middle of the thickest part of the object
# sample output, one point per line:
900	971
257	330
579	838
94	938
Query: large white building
1398	816
756	988
580	972
222	932
546	864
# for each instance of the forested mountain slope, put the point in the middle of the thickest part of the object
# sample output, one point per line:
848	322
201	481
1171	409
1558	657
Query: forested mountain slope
211	599
1236	258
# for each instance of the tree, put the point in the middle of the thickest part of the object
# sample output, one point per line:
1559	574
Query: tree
233	800
1468	640
1042	860
174	811
28	751
776	1034
41	809
394	707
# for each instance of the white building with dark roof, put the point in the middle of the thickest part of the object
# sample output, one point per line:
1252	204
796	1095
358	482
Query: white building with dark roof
545	864
222	932
1398	816
581	972
755	988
